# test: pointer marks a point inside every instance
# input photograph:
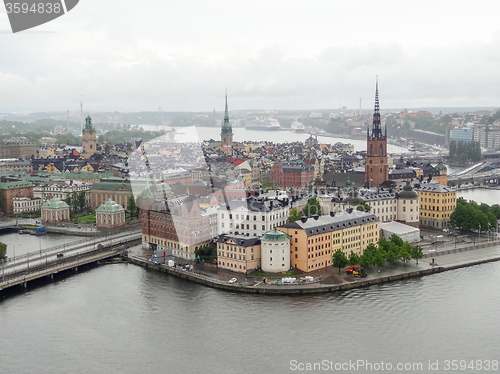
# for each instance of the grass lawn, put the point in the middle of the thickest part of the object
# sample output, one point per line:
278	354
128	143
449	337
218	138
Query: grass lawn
87	219
287	274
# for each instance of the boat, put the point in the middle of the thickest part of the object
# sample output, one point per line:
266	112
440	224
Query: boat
264	124
298	127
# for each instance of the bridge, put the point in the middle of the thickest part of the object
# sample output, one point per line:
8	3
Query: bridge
29	267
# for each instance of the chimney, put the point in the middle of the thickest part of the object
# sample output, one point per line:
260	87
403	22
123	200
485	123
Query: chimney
303	219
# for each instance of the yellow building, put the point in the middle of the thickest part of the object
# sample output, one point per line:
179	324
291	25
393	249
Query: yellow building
437	203
314	240
238	253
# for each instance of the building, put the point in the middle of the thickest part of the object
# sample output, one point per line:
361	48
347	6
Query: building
377	167
89	139
226	134
110	215
437	203
114	188
15	164
238	253
176	225
18	147
253	216
408	206
315	239
275	252
62	189
22	205
288	175
55	210
11	188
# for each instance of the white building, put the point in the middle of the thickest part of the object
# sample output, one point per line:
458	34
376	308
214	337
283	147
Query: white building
275	252
23	205
252	216
61	188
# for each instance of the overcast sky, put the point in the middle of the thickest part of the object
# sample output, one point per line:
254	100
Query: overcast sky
137	55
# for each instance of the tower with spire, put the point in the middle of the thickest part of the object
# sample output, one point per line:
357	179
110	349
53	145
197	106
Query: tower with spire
89	139
377	167
226	133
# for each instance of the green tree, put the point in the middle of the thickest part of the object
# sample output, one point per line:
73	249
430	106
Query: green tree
339	259
353	258
417	253
132	206
266	186
312	207
3	251
392	253
81	201
492	220
405	252
107	148
207	253
363	207
396	240
380	257
366	259
295	215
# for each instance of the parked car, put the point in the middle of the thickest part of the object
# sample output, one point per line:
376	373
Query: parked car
233	280
59	255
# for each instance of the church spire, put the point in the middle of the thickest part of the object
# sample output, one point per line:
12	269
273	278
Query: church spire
377	127
226	112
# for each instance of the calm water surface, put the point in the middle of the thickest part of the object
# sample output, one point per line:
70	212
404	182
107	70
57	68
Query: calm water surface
125	319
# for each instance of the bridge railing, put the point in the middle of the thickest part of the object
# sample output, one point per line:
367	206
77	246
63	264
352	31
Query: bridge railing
60	246
115	245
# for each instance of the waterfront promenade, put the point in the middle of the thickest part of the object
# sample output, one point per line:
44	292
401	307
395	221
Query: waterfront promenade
332	281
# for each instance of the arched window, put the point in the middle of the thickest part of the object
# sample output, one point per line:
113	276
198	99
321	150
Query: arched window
371	149
380	150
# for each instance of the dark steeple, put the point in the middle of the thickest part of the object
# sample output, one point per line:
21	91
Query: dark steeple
226	125
377	126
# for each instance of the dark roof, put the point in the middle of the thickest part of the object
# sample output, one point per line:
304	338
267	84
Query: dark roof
245	241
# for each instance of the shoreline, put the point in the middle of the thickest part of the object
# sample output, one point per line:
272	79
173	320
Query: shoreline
452	261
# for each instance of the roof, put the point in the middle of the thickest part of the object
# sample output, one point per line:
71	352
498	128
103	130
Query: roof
327	223
109	206
407	192
397	228
243	240
275	235
55	203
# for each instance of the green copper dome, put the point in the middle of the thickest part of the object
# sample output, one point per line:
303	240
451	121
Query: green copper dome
408	192
55	203
440	166
275	235
109	206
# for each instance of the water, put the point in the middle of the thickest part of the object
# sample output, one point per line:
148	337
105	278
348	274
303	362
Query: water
189	134
481	195
126	319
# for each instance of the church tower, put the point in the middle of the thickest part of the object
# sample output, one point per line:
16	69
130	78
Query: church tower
88	139
226	134
377	168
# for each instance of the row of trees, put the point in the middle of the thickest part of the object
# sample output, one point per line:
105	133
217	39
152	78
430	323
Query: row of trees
385	251
464	152
469	215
